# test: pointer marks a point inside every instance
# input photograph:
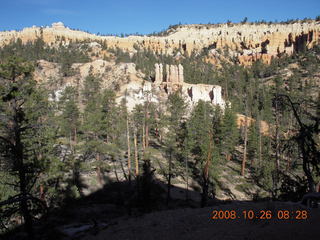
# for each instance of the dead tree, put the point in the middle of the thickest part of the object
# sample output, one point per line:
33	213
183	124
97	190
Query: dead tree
307	145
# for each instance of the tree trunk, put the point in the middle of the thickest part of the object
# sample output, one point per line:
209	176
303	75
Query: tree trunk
136	154
75	136
260	144
277	141
19	160
288	162
98	171
143	136
147	125
305	165
205	175
129	152
169	179
147	135
243	166
226	91
70	142
187	180
42	193
123	171
115	170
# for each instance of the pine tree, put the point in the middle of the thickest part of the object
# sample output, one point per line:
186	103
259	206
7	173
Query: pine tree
70	116
23	115
229	132
176	110
138	119
69	124
92	125
253	142
200	140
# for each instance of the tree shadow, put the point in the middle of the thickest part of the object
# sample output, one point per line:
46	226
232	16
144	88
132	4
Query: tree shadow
115	201
141	195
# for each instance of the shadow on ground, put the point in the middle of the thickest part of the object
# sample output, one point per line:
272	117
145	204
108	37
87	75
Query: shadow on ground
138	210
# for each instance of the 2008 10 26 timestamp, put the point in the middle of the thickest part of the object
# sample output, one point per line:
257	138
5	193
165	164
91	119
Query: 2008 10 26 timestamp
262	214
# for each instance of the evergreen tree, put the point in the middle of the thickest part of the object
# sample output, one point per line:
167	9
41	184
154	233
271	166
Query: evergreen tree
69	125
176	110
138	125
229	132
22	127
92	125
70	116
201	142
253	142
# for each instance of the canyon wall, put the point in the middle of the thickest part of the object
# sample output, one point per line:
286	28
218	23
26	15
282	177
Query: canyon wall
247	42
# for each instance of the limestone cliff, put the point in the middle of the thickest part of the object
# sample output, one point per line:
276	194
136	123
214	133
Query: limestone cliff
247	42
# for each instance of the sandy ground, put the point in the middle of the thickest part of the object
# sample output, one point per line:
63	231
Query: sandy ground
197	224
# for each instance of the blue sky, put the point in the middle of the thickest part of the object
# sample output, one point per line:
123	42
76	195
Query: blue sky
146	16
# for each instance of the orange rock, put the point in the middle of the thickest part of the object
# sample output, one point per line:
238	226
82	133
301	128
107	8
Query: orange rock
264	126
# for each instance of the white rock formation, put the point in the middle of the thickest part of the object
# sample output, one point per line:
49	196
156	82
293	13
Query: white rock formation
58	25
191	92
208	93
180	71
158	73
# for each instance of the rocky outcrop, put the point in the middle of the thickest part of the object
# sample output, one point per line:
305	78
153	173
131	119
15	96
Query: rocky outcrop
174	81
247	42
174	74
168	79
128	83
264	126
204	92
47	71
158	73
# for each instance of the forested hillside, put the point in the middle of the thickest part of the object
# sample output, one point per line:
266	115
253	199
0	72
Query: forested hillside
67	137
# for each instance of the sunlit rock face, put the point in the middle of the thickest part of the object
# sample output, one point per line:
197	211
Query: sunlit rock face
204	92
247	42
169	79
128	83
192	93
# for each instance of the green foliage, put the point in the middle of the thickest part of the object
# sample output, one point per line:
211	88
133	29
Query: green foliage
229	131
199	128
196	70
138	118
6	183
145	61
176	108
253	142
91	89
202	126
265	175
24	139
66	55
121	56
70	116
